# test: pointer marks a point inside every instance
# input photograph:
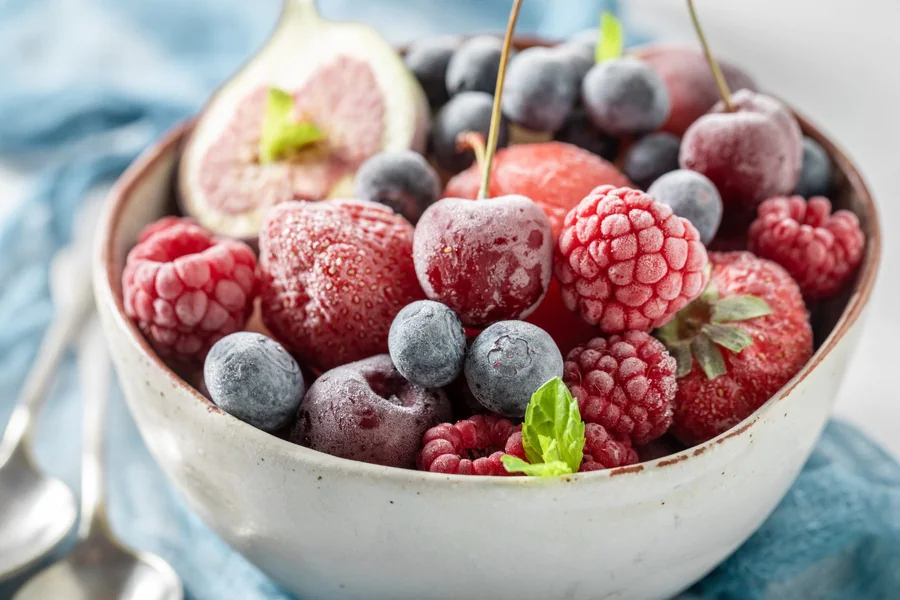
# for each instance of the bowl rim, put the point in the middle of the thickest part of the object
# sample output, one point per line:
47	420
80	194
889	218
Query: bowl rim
108	292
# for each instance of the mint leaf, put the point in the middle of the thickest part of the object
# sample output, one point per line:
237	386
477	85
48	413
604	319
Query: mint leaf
708	356
739	308
279	134
611	40
514	464
553	430
731	337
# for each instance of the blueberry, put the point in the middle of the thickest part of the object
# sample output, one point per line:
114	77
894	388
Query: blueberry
367	411
816	173
625	96
402	180
586	38
540	90
468	111
508	362
579	131
474	65
692	196
427	343
650	157
428	59
252	377
580	58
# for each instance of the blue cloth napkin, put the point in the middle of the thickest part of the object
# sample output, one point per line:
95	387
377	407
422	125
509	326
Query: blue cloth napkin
85	85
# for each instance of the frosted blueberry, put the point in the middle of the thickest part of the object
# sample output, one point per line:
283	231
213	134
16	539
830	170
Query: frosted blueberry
508	362
692	196
625	96
252	377
816	172
428	59
540	91
427	343
402	180
651	157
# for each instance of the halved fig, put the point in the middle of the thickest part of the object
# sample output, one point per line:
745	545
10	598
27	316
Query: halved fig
345	80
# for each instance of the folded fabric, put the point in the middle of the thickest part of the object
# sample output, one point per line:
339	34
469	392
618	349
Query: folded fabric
89	84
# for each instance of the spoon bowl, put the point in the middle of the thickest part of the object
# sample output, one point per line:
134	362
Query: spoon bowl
101	569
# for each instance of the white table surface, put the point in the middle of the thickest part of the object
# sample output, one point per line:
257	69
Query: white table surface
836	64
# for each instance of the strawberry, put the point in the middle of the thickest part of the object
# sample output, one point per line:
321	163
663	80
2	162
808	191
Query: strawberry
753	310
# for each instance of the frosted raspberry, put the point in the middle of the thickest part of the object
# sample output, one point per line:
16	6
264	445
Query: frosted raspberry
334	276
603	451
626	262
819	249
625	383
472	446
185	288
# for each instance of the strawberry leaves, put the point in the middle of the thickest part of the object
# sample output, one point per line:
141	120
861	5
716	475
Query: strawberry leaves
552	433
703	328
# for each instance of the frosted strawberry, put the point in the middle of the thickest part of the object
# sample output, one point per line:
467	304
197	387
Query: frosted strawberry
736	345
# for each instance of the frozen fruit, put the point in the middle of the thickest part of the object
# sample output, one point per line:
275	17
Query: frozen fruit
692	196
579	131
626	262
626	383
691	86
428	58
555	175
472	446
580	58
402	180
819	249
540	90
508	362
474	65
351	85
749	333
487	260
624	96
427	343
367	411
252	377
815	172
651	157
469	111
185	288
750	154
334	276
604	451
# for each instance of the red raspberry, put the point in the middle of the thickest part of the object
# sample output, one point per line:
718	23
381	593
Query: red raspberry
334	276
186	288
603	451
819	249
625	383
782	343
472	446
626	262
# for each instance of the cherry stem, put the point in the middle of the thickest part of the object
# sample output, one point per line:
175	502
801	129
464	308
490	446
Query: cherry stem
494	131
474	141
724	92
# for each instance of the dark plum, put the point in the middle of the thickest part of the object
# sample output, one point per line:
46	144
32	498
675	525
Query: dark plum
427	343
368	411
402	180
540	90
428	58
692	196
468	111
474	65
816	172
650	157
624	96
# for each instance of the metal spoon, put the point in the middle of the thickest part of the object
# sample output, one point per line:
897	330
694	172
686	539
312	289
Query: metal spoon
100	567
37	510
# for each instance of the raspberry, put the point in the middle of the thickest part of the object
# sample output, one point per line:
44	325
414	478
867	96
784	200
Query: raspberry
819	249
334	276
625	383
603	451
626	262
472	446
186	289
782	342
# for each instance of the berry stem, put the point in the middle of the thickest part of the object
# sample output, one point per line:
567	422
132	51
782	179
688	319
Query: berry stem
724	92
474	141
494	131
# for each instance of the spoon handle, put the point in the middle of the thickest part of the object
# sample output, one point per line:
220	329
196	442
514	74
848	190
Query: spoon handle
94	373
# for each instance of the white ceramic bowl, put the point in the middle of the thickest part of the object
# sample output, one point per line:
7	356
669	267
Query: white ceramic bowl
329	528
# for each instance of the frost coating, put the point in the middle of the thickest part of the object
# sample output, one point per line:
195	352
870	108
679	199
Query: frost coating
427	343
